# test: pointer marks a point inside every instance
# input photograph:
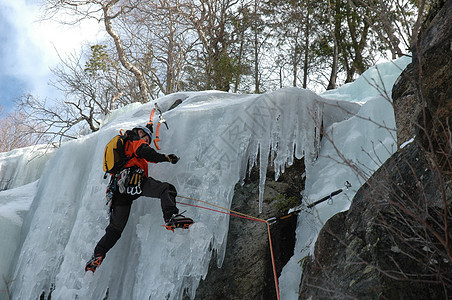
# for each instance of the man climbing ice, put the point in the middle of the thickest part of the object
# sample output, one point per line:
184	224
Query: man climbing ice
132	182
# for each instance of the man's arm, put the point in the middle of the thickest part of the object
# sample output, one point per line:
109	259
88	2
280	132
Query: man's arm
149	154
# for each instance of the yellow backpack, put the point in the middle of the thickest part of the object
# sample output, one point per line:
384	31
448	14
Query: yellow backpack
114	154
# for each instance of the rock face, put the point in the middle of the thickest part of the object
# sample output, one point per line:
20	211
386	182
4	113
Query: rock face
395	240
247	271
423	91
384	247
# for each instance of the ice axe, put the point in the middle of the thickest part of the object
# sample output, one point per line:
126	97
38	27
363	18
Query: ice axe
157	130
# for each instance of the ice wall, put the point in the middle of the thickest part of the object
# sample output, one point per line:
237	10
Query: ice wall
22	166
20	170
14	204
218	137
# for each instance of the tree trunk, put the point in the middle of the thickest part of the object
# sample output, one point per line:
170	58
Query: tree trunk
121	54
256	51
295	69
333	76
306	47
237	77
170	72
335	32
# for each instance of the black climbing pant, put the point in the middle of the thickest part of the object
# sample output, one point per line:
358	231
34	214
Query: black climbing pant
122	204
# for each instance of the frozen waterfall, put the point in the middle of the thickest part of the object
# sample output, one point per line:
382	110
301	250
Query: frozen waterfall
218	136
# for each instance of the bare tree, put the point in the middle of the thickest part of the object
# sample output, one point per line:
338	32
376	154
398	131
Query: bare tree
86	90
160	42
56	121
211	20
396	22
335	31
14	133
92	85
291	29
106	12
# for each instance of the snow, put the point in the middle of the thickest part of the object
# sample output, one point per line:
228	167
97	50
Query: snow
14	204
219	137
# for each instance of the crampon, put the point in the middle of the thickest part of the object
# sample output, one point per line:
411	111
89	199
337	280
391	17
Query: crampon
183	223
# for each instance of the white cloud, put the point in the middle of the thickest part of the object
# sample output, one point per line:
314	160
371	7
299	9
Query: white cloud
32	46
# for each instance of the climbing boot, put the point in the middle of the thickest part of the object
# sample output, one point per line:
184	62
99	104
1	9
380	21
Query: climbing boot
178	221
94	262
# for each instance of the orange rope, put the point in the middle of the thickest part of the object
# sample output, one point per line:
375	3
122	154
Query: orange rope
232	211
222	212
242	215
273	261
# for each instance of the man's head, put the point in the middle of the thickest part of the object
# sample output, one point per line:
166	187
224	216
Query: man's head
144	133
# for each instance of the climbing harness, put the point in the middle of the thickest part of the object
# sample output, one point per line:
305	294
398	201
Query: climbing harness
134	182
157	130
129	181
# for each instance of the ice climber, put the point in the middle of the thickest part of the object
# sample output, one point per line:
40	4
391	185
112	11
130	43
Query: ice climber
133	182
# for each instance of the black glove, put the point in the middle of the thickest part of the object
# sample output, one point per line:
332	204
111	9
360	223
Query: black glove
150	127
172	158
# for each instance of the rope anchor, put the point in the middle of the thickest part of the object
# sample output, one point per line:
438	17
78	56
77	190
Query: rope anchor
330	196
295	212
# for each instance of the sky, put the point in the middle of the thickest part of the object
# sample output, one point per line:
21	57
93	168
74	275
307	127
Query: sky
29	48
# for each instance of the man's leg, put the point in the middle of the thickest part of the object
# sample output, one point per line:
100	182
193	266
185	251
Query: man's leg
118	220
163	190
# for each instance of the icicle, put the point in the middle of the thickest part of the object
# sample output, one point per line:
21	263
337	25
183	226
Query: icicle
263	164
291	129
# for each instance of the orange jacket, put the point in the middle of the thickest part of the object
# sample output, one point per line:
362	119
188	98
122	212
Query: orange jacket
141	153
